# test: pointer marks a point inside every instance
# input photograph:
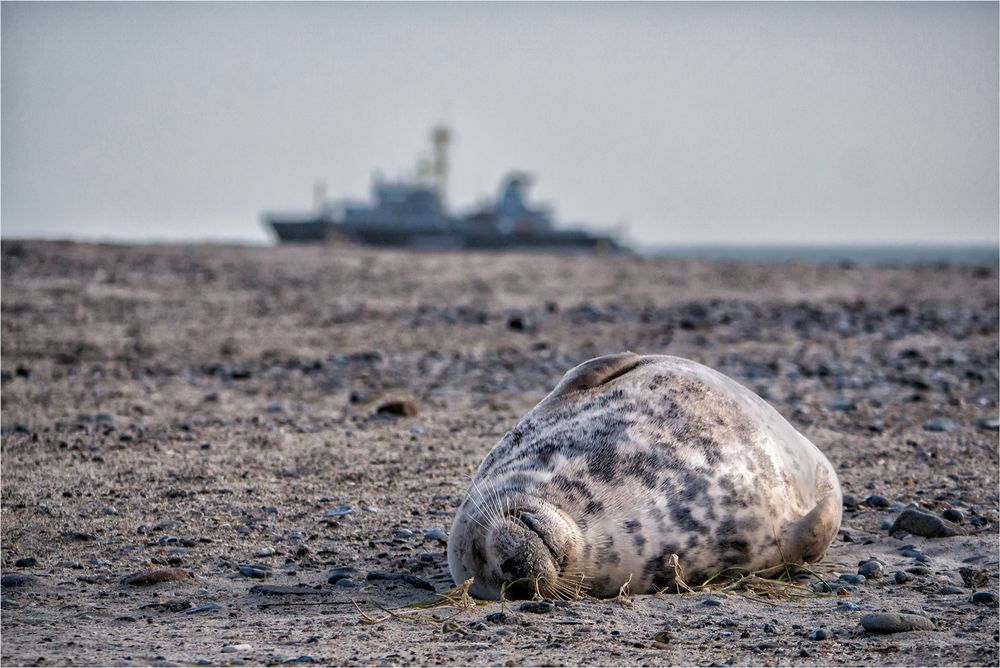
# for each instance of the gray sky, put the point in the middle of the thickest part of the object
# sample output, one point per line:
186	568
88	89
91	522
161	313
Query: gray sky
695	123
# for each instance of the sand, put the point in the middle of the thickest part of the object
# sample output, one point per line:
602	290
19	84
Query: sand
215	410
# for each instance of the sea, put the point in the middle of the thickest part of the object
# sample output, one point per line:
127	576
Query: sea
859	255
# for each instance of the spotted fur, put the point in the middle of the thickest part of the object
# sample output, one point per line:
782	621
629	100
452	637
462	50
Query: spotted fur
630	460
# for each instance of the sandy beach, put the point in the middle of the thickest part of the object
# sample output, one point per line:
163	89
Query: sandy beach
222	416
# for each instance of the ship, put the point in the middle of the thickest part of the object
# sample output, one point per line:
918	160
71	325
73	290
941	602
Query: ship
412	213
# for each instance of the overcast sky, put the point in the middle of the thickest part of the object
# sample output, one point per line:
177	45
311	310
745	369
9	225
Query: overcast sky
767	123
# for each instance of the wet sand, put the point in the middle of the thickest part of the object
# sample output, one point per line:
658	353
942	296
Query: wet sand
215	410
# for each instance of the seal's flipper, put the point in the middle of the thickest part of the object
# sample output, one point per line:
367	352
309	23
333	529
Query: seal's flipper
593	373
808	539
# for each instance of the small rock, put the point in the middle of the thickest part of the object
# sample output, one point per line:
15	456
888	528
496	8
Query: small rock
872	569
398	408
895	622
537	607
876	501
403	534
954	515
712	602
848	605
208	607
941	424
984	597
339	511
949	590
991	424
17	580
819	634
305	658
78	536
265	552
919	523
232	649
26	562
338	574
918	570
852	579
827	587
155	576
256	572
497	617
436	534
346	583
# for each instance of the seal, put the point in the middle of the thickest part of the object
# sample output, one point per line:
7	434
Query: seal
642	470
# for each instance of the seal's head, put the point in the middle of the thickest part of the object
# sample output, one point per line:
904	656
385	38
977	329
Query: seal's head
526	547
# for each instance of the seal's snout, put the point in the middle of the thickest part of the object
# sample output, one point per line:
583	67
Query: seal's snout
517	554
527	554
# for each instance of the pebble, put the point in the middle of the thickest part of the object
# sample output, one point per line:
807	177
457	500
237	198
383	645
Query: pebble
852	579
954	515
155	576
872	569
984	597
232	649
403	534
497	617
208	607
848	605
827	587
265	552
254	572
876	501
919	523
895	622
338	574
345	582
712	602
819	634
537	607
918	570
26	562
436	534
949	590
17	580
369	509
941	424
339	511
305	658
992	424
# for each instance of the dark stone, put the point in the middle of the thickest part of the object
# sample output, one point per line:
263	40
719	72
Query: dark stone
949	590
537	607
876	501
974	578
954	515
991	424
256	572
338	574
819	634
17	580
398	408
26	562
208	607
919	523
852	579
497	618
895	622
984	598
872	569
712	602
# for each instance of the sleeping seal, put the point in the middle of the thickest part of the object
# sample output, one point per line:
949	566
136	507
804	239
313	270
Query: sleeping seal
633	459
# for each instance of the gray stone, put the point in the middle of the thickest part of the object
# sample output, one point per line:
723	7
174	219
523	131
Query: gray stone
895	622
919	523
